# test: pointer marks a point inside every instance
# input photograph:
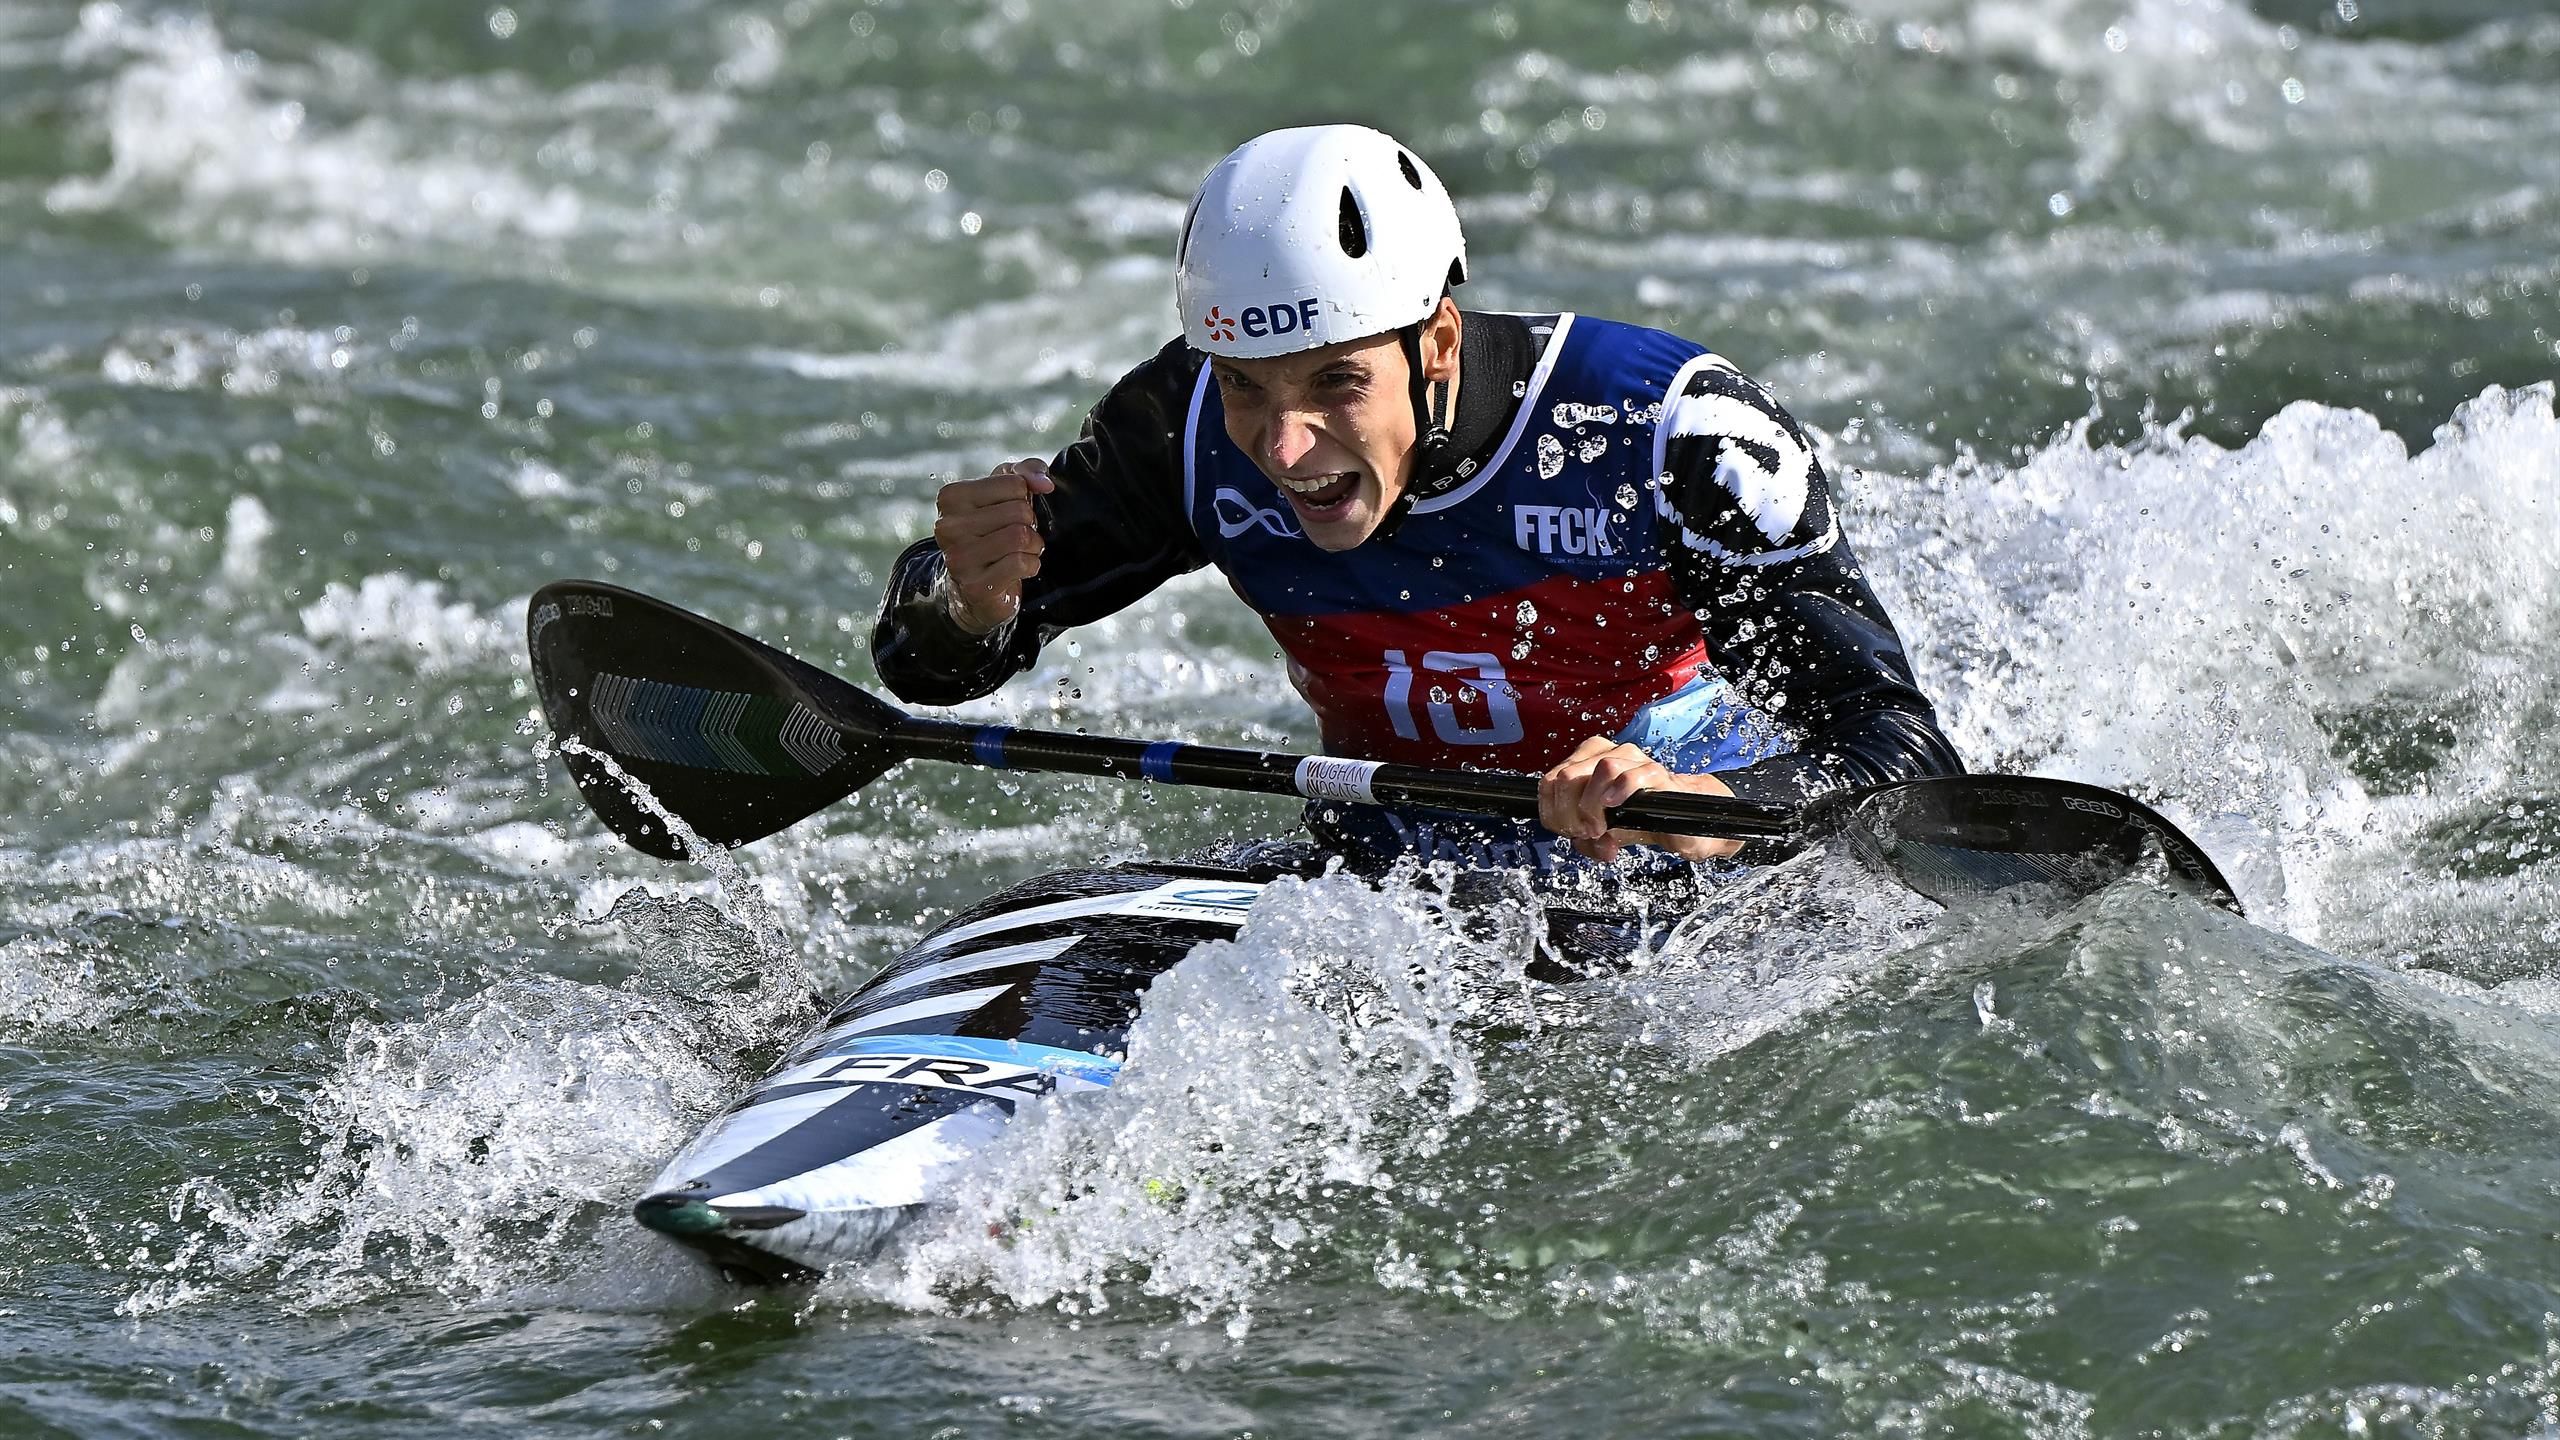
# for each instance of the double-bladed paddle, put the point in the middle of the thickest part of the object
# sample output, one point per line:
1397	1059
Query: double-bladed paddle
738	740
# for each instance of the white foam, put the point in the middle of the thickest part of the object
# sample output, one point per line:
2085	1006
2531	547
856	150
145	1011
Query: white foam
1044	338
450	1148
1787	943
1117	214
400	614
181	358
46	444
537	480
246	528
524	848
50	984
206	137
2186	620
474	1150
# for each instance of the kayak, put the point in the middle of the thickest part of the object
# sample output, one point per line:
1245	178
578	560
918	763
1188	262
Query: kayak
1026	998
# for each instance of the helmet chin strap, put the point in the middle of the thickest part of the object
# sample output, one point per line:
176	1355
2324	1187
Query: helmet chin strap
1431	463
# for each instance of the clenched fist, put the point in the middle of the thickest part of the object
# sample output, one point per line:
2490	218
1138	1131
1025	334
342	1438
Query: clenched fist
990	540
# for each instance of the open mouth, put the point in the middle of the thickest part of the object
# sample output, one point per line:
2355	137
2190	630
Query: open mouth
1321	492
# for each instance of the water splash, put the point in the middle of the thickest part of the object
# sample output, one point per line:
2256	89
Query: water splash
1291	1094
466	1153
395	612
1271	1079
2321	649
47	983
480	1148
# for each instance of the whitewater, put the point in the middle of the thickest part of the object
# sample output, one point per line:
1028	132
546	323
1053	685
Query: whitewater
2187	375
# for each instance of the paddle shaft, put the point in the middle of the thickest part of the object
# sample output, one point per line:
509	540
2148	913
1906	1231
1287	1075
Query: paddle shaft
1265	772
738	740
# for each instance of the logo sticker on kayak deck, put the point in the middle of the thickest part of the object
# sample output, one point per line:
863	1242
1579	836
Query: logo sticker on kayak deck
938	1072
1001	1070
1213	901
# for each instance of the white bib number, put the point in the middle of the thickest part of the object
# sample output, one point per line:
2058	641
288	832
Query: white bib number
1468	670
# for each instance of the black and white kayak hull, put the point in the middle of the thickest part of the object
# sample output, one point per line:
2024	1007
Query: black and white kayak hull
1028	996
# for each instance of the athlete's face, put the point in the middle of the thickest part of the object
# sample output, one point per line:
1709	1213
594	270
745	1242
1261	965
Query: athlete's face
1333	428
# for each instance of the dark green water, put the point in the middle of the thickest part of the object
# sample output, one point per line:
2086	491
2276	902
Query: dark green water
2189	371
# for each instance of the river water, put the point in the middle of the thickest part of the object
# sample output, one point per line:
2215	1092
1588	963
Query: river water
2187	369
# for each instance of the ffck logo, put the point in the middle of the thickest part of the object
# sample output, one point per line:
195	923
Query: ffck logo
1219	324
1562	529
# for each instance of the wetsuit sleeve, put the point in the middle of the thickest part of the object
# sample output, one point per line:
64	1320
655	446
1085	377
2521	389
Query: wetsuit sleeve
1114	528
1756	551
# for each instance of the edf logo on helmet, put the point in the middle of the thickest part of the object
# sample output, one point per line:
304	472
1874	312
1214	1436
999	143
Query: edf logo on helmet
1288	318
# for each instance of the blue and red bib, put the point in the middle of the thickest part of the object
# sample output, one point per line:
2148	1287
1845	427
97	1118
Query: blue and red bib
1507	619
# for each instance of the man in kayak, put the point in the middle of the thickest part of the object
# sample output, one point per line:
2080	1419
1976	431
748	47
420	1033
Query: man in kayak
1545	543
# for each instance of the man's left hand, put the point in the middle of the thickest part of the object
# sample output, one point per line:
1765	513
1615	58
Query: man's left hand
1574	798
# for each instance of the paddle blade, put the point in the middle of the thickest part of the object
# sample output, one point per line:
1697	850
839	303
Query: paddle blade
1962	837
732	736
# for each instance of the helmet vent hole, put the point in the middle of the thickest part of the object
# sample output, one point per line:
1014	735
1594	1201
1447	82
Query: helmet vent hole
1355	230
1412	176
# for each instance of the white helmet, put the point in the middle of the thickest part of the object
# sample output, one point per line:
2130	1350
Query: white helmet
1305	238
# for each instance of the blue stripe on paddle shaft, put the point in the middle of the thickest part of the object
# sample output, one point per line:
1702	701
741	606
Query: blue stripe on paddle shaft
988	744
1156	763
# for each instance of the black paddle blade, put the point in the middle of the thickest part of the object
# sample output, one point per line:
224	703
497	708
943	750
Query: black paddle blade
1962	837
732	736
